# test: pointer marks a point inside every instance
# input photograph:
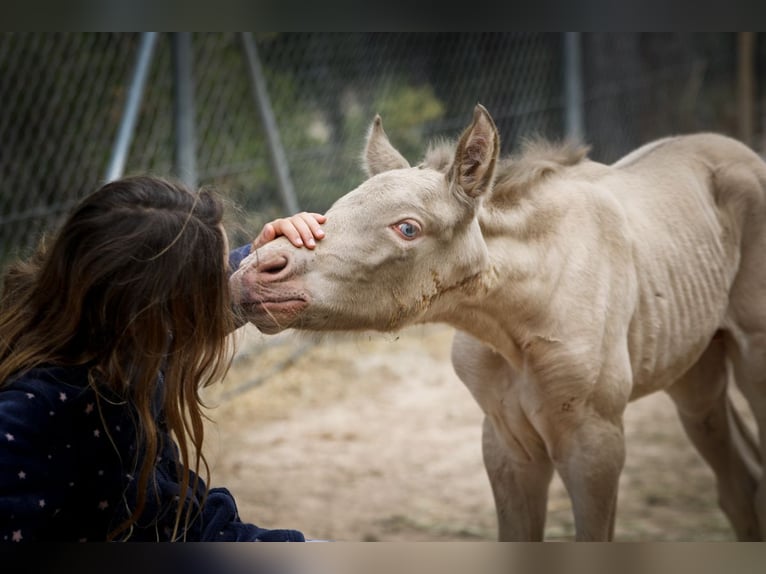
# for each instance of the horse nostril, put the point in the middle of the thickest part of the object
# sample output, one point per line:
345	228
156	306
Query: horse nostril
271	264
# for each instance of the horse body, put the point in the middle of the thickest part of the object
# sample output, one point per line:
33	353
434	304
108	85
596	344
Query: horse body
575	287
684	253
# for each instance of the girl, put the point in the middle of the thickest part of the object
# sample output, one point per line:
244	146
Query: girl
106	338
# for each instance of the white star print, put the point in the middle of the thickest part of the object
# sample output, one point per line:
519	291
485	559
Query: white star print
22	475
103	505
42	503
62	397
89	408
96	433
30	396
10	437
17	536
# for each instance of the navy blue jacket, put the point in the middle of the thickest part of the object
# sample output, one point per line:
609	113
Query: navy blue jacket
68	461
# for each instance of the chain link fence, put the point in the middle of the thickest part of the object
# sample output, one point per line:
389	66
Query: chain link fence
62	97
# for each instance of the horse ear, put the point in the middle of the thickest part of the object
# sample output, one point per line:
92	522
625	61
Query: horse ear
473	168
379	154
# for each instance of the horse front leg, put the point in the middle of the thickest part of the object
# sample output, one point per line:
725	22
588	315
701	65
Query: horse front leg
520	482
589	457
515	456
581	421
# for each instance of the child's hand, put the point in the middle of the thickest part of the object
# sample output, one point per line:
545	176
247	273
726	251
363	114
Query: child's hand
302	229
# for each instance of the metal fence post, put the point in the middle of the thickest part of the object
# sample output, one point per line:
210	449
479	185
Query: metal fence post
183	109
266	113
573	90
119	155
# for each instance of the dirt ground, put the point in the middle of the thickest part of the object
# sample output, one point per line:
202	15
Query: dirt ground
372	437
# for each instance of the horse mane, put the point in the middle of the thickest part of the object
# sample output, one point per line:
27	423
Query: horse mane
538	159
439	154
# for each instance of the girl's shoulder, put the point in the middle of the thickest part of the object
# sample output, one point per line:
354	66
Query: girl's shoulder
68	375
37	409
52	404
48	382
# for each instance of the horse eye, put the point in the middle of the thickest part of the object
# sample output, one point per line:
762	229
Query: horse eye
408	229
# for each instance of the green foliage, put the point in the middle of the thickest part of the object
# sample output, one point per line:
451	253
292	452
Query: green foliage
404	107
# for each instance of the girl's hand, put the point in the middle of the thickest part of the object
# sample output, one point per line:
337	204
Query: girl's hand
302	229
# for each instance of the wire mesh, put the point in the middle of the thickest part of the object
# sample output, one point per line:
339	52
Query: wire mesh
62	96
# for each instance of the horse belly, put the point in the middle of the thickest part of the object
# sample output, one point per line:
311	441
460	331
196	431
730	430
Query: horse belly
682	303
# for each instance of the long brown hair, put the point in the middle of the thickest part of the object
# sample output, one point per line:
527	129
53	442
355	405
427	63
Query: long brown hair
134	283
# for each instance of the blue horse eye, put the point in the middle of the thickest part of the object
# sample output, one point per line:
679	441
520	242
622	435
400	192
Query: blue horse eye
408	229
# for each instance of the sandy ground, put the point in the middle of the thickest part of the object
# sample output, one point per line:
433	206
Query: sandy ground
373	438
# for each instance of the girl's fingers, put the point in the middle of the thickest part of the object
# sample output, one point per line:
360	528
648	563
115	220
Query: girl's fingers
300	229
305	235
267	234
309	226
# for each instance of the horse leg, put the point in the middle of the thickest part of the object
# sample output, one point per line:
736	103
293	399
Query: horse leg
581	422
748	358
515	457
519	487
589	457
745	338
713	426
